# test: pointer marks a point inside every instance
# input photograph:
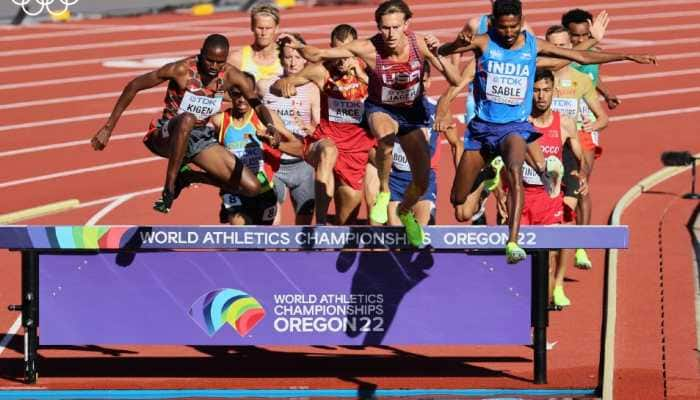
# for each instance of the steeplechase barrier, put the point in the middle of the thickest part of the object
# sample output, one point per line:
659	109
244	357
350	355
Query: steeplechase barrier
292	285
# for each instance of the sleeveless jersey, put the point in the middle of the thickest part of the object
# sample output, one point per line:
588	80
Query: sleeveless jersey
551	144
259	71
570	89
469	105
504	80
592	70
399	159
195	98
241	141
393	83
342	110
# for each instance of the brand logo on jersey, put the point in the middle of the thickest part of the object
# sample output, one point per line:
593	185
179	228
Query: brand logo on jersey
497	54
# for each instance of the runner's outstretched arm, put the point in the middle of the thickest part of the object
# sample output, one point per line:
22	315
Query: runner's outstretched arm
145	81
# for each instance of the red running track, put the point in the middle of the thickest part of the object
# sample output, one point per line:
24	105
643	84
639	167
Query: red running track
55	92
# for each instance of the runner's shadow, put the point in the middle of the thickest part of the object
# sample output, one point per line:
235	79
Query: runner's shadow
389	274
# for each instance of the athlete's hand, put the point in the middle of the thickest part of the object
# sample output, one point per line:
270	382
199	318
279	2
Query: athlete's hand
283	88
612	101
465	38
432	42
443	124
270	136
286	39
599	25
642	58
582	183
101	138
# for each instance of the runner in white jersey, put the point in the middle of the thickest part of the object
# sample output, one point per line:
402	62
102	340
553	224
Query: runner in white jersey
299	114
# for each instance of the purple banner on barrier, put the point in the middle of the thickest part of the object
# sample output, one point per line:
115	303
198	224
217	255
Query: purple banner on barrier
304	237
259	298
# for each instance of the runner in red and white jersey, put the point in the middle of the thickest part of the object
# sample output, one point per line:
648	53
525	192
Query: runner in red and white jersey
339	146
394	108
538	207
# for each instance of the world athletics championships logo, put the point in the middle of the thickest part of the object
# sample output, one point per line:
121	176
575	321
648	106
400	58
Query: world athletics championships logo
213	309
44	5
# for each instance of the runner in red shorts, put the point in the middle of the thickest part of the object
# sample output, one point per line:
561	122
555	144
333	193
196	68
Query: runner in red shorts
538	207
338	149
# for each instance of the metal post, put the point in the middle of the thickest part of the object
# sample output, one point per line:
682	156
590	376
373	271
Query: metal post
539	316
30	313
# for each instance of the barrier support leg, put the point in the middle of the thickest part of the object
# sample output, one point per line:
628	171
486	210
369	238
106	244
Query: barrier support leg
30	313
539	317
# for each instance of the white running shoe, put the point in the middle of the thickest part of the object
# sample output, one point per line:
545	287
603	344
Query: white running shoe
552	176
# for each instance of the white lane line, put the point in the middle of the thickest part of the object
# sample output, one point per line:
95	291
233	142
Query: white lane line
71	99
209	22
75	79
110	199
68	63
654	114
668	92
152	110
10	333
107	209
81	118
78	171
653	75
245	33
84	142
86	61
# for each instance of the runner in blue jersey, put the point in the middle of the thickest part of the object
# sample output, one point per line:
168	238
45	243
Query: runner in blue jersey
505	68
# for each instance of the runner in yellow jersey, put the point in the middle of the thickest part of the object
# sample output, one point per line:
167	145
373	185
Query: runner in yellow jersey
261	59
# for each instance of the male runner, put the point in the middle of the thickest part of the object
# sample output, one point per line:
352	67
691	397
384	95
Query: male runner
195	89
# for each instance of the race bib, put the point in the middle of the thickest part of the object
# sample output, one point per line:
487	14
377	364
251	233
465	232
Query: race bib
506	89
231	200
393	96
530	176
345	111
566	106
202	107
400	161
584	112
251	156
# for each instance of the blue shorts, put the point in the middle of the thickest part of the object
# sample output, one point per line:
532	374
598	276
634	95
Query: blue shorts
399	181
488	136
408	118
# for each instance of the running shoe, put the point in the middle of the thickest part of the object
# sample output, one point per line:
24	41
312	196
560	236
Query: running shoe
483	197
414	230
582	260
182	180
552	176
496	166
559	298
165	202
378	213
514	253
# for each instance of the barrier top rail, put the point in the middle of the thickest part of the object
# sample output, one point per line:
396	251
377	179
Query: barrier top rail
224	237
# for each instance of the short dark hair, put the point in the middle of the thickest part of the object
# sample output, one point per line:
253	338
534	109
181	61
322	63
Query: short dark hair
390	7
507	7
342	32
215	41
555	29
543	73
284	41
575	16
